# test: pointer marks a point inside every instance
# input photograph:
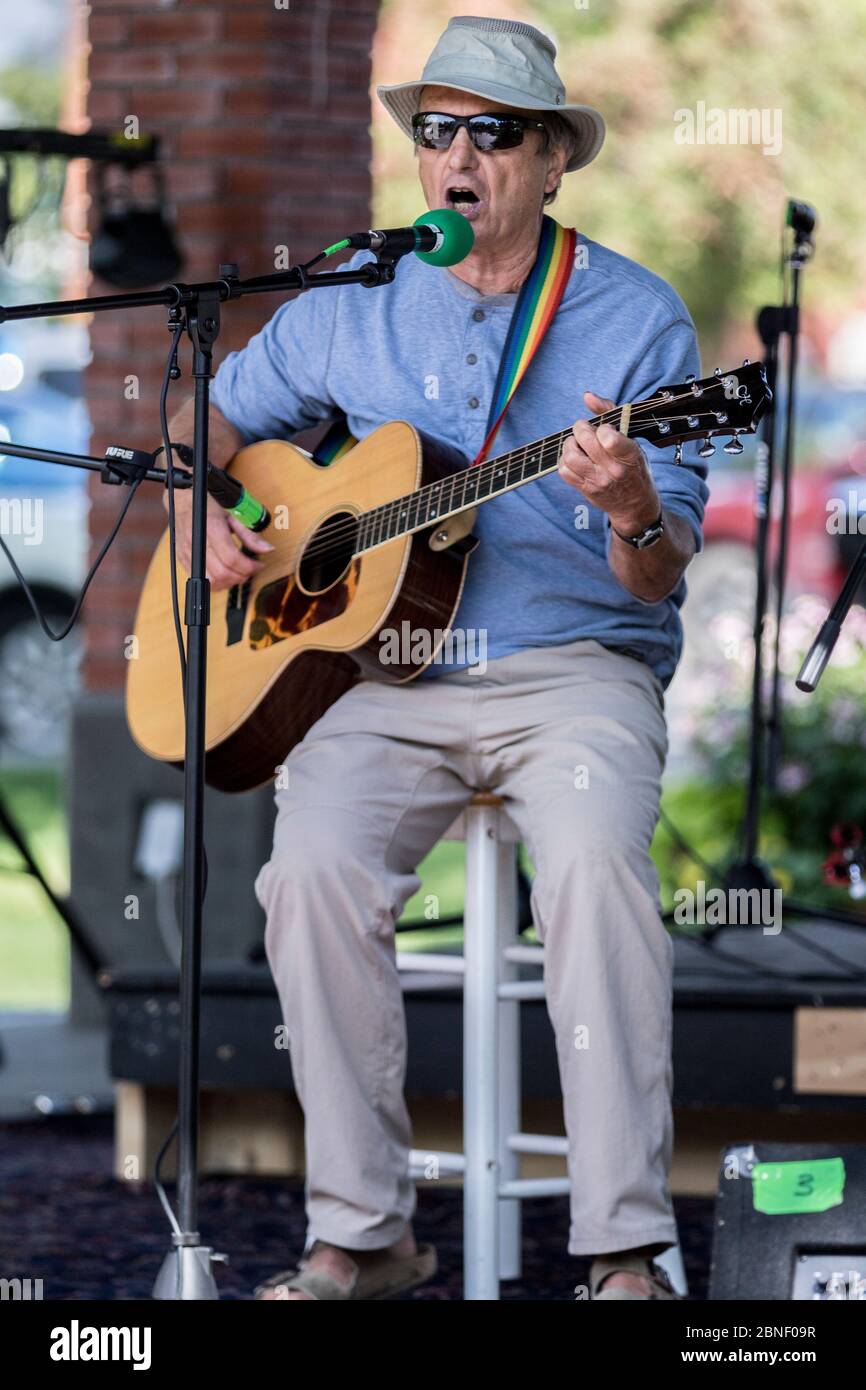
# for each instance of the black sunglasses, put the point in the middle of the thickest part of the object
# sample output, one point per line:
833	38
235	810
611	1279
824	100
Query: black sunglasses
435	130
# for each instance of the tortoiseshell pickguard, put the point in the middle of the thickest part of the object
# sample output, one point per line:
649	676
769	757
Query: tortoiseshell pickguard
282	609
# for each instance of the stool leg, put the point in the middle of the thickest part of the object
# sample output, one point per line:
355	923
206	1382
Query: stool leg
508	1054
480	1082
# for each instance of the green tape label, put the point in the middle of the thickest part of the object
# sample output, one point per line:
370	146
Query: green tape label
248	511
814	1184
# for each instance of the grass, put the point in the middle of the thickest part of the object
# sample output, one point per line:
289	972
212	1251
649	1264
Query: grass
34	948
34	952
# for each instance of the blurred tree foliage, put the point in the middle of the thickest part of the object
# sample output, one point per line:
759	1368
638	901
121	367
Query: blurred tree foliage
30	95
706	217
34	92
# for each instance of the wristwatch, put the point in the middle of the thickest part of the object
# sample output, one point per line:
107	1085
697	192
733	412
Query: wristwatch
648	536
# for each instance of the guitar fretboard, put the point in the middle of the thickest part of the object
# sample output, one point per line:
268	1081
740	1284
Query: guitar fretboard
455	493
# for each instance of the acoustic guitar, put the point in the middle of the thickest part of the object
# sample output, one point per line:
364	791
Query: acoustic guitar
378	540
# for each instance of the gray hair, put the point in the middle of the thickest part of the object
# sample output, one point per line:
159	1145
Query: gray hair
555	131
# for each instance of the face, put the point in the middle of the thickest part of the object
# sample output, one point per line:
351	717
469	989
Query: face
498	191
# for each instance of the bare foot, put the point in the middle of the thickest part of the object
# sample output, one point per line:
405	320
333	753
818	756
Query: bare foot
339	1264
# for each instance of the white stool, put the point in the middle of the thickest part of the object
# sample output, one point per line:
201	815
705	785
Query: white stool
492	993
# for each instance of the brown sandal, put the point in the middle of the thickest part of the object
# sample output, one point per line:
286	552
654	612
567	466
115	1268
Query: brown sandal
605	1265
383	1275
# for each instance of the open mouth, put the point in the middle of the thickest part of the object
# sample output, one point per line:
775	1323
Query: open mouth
464	200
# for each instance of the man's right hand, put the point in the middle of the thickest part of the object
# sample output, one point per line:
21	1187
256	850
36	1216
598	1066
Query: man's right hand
225	563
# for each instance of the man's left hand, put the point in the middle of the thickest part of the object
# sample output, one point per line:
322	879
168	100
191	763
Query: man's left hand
610	470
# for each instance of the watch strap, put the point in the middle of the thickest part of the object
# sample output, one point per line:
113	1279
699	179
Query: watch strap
647	536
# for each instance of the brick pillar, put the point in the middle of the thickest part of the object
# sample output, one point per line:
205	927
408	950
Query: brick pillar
263	115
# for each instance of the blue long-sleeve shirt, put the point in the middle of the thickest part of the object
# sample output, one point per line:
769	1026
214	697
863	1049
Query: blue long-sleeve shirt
426	349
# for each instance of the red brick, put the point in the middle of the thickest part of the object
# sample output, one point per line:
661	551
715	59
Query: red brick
191	180
232	66
351	30
154	65
107	106
99	6
262	148
256	26
228	218
252	103
224	142
154	106
251	180
108	30
180	28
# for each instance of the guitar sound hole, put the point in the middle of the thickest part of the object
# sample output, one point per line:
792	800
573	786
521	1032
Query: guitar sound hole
328	553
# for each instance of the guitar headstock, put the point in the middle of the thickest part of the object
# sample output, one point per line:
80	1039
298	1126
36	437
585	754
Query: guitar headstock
726	403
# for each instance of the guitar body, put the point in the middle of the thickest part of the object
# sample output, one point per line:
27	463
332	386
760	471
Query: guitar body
285	646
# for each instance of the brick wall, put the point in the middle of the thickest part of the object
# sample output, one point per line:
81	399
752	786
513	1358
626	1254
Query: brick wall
263	116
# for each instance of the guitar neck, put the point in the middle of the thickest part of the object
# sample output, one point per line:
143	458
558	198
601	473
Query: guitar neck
467	488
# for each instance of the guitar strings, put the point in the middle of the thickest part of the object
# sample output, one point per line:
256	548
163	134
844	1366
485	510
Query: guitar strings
335	539
337	536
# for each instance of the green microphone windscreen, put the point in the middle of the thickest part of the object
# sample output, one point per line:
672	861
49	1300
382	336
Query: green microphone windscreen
457	236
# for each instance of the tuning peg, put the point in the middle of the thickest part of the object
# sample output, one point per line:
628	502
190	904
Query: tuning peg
707	450
733	446
664	427
690	378
717	371
721	417
678	451
746	362
693	422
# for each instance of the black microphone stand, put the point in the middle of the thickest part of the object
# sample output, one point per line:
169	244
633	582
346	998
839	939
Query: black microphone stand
187	1271
773	322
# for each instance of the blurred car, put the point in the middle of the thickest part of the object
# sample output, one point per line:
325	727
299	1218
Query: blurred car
829	471
43	522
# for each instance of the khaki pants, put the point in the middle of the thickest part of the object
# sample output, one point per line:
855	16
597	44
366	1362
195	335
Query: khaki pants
574	738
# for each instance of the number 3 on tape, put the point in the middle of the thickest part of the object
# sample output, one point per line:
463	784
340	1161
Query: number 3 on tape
783	1189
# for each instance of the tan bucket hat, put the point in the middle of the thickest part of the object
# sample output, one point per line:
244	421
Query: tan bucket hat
504	60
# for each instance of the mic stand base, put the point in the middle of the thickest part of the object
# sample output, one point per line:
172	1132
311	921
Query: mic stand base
748	874
187	1274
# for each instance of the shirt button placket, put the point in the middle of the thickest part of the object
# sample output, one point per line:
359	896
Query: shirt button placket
478	316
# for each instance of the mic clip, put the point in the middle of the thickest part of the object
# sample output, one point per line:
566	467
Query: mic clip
381	271
123	465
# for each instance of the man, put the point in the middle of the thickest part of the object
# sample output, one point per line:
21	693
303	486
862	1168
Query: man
583	635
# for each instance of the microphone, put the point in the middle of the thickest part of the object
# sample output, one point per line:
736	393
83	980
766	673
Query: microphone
226	490
234	498
803	218
441	237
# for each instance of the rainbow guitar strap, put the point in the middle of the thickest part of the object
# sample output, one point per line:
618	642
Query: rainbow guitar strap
537	303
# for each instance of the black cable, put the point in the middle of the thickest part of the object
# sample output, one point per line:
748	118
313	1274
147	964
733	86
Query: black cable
825	953
28	593
686	848
160	1190
746	967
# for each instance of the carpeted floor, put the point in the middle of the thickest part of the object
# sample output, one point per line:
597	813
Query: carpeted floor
65	1220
